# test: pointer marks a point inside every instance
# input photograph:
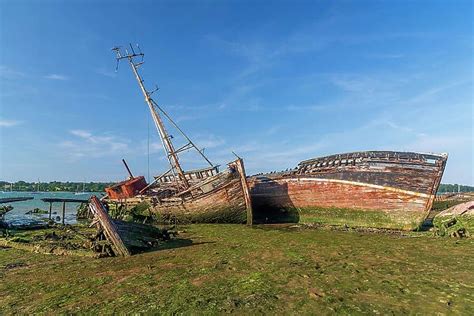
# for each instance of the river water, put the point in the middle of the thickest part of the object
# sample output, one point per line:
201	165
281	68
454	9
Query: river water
18	215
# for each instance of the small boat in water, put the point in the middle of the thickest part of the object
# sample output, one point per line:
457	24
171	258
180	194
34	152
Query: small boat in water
382	189
83	192
205	195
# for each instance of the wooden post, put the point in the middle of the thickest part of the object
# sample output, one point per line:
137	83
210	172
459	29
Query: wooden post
50	209
64	211
245	188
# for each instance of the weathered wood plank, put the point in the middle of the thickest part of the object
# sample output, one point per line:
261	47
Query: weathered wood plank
110	230
245	188
402	185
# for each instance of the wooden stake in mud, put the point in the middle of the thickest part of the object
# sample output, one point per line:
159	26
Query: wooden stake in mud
64	211
50	209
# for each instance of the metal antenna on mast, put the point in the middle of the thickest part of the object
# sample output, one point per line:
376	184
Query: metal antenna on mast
170	151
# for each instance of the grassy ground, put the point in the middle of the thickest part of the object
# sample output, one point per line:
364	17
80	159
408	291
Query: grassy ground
234	268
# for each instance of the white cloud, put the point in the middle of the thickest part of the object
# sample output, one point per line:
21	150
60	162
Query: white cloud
9	123
10	73
81	133
386	56
56	77
209	141
87	144
105	72
202	142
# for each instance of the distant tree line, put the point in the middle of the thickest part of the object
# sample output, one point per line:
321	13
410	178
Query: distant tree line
54	186
446	188
100	186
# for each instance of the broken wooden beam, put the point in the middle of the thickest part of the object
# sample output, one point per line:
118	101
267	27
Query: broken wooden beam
109	227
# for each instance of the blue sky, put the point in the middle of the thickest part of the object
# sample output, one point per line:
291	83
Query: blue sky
276	82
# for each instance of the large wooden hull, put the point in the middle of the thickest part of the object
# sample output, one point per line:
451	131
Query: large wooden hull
372	189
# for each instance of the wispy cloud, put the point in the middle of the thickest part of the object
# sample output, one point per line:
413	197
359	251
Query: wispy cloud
56	77
9	123
90	145
386	56
295	108
10	73
431	92
106	72
209	141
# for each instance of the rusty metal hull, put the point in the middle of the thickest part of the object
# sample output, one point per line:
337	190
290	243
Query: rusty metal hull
374	189
126	189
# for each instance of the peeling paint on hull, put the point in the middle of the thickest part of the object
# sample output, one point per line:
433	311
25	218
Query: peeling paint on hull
226	204
222	198
401	191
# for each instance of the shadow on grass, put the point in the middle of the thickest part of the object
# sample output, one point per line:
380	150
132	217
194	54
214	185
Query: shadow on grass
172	244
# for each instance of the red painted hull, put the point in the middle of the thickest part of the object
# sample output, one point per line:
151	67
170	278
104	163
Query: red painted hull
126	189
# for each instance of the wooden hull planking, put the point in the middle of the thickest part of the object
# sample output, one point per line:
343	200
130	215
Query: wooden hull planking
385	193
228	201
225	204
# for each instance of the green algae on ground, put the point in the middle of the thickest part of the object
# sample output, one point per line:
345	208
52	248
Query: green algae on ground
402	220
234	268
67	240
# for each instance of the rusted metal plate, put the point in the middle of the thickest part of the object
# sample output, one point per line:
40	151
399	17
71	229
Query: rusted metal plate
126	189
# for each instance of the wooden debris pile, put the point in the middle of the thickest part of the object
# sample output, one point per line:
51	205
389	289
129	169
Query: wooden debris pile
120	238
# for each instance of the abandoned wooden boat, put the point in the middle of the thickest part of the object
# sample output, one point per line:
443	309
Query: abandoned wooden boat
382	189
204	195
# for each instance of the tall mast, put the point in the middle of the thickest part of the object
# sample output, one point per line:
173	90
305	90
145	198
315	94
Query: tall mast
165	138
